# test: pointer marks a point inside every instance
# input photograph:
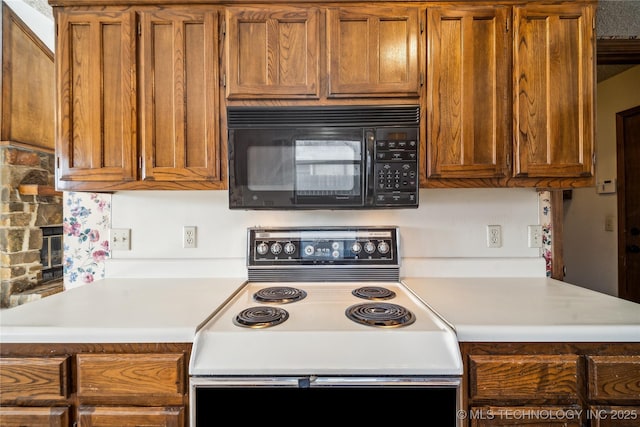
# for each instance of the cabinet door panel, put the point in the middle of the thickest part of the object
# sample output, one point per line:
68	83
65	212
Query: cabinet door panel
34	379
96	112
179	107
553	91
524	377
614	416
272	53
129	378
130	416
614	378
468	69
526	416
34	417
373	52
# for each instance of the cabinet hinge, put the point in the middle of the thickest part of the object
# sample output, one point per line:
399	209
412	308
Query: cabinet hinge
421	26
421	79
58	162
224	80
507	23
223	28
508	158
593	158
139	29
139	162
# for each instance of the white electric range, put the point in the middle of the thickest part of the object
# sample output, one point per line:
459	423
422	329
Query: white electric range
323	309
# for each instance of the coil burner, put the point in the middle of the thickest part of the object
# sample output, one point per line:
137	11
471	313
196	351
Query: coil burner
260	317
380	314
374	293
279	294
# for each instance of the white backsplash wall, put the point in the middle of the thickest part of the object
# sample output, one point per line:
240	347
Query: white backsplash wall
445	236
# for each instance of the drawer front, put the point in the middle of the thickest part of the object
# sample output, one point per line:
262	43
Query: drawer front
614	378
34	417
27	379
547	377
132	376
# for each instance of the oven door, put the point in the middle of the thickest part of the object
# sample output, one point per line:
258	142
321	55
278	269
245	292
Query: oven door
297	168
355	400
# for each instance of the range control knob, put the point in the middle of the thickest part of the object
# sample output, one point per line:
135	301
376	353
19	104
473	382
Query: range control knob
289	248
356	248
276	248
309	250
383	247
262	248
369	247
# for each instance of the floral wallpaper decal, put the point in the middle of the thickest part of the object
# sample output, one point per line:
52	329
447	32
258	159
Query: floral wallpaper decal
87	218
546	222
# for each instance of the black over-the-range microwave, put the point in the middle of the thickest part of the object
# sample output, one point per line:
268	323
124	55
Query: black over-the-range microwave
329	157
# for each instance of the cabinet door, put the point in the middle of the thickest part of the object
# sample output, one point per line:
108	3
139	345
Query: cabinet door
90	416
96	114
554	90
34	379
373	52
529	416
128	379
272	53
178	93
468	80
34	417
614	416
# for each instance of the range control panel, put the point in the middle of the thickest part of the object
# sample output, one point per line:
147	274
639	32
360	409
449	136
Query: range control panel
326	245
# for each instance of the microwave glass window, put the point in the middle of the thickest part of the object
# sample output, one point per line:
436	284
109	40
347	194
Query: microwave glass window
327	166
270	168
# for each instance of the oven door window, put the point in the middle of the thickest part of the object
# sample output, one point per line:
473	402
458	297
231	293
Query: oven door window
327	168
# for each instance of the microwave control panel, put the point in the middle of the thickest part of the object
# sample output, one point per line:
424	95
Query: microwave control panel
343	246
396	166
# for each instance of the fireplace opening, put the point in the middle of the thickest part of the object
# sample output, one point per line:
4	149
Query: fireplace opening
51	254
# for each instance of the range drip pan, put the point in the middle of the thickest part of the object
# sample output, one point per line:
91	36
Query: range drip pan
260	317
380	314
279	294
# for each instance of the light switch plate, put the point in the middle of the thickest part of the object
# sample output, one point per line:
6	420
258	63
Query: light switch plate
535	236
120	239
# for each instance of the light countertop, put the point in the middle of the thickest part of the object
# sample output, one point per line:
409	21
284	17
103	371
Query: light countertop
172	310
528	310
119	311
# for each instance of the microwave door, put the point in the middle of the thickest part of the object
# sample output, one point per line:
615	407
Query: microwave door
328	172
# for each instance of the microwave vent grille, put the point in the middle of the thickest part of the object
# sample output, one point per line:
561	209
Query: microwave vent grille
243	117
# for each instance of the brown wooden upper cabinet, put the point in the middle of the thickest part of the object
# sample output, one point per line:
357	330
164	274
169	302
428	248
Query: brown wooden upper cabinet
96	114
554	90
468	105
138	99
272	53
510	104
179	96
373	51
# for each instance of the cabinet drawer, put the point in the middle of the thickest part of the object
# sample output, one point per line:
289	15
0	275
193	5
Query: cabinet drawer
131	377
524	377
34	379
614	378
34	417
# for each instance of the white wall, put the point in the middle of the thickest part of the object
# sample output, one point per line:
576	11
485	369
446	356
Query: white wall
446	235
590	252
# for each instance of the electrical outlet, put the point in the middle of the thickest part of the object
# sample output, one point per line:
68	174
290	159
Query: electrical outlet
189	236
120	239
534	236
494	236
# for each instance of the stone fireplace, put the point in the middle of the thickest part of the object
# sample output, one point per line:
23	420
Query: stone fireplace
28	203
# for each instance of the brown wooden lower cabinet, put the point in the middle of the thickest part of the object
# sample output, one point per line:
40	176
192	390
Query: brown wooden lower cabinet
530	416
90	385
123	416
12	416
551	384
614	416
